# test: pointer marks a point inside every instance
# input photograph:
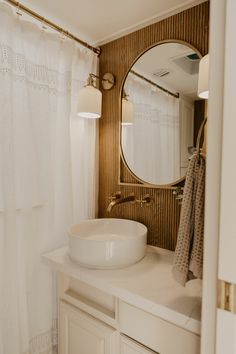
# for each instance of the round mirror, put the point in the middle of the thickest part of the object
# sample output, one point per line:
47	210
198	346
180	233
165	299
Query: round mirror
161	113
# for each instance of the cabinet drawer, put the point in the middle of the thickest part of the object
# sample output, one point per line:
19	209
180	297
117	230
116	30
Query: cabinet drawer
155	333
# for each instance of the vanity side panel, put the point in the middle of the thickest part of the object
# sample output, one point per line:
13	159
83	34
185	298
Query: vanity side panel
161	218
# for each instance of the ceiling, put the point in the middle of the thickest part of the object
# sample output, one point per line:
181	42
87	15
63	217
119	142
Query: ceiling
181	71
100	21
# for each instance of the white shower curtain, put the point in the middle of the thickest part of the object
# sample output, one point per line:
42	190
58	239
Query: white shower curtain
47	173
151	145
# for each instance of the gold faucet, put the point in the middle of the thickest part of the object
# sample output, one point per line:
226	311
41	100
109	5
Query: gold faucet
145	200
117	199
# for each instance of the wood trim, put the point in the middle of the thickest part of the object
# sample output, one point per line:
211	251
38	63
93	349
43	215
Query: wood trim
162	217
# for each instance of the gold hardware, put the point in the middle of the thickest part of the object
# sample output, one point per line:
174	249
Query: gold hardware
145	200
115	196
119	200
176	95
124	95
57	28
108	80
227	296
201	151
178	192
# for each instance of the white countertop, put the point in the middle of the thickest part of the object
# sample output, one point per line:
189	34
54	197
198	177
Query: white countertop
147	285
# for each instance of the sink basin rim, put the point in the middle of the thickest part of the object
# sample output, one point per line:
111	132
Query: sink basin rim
139	233
116	249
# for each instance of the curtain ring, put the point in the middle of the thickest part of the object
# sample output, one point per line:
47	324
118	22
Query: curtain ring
18	10
44	27
62	35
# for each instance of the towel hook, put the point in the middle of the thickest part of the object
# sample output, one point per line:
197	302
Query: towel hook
201	130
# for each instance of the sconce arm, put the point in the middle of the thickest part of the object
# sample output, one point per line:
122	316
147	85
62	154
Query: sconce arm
108	80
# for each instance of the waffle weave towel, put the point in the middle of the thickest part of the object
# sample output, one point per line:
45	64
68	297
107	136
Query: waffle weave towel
188	258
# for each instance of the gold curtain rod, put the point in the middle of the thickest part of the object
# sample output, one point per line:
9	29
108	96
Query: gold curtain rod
53	25
176	95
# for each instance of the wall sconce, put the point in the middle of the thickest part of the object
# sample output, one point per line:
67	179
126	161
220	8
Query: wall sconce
127	110
90	98
203	77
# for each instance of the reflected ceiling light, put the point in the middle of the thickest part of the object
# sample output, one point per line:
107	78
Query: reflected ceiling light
90	98
127	110
203	77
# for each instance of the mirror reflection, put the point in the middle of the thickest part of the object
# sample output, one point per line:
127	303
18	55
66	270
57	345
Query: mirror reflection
161	113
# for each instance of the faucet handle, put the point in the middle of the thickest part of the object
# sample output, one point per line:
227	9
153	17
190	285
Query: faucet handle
178	191
146	199
115	196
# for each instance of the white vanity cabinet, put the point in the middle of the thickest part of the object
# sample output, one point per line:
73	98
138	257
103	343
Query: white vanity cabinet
135	310
80	333
92	321
155	333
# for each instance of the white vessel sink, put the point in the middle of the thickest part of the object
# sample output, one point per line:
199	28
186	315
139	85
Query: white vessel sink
107	243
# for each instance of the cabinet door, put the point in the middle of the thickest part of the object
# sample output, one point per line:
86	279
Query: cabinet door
80	333
129	346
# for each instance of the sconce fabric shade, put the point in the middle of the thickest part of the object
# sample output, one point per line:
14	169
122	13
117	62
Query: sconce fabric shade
203	77
127	112
89	102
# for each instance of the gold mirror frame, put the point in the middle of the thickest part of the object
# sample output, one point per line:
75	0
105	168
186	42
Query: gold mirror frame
142	183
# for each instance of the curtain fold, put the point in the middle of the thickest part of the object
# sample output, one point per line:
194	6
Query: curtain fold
151	145
47	173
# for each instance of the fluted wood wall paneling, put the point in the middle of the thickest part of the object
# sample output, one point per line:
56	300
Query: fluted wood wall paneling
162	217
